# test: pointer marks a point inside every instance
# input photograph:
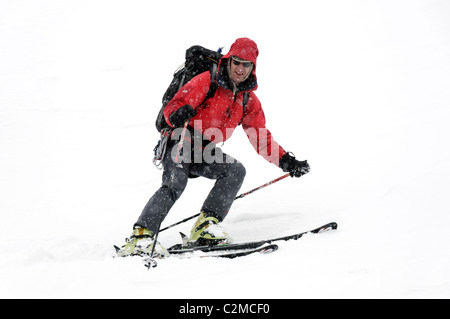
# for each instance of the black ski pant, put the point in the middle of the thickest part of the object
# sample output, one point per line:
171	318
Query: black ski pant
227	171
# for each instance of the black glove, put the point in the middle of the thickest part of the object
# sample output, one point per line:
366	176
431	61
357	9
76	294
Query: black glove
181	115
288	163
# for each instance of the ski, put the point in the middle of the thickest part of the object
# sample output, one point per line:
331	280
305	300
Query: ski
180	249
236	252
227	253
150	262
232	250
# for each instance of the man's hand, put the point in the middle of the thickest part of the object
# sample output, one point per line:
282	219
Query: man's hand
184	113
288	163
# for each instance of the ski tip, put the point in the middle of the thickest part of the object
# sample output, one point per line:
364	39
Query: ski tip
116	248
269	249
326	227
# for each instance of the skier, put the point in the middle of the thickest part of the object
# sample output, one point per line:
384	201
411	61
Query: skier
212	122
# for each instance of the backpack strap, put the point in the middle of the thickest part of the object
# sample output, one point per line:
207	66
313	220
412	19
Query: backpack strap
245	99
213	86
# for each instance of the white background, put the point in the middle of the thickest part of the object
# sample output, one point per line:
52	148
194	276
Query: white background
358	88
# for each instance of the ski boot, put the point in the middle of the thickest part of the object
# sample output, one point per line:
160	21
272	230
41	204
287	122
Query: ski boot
208	232
141	243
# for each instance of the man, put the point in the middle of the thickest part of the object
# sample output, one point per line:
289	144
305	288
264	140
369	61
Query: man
213	121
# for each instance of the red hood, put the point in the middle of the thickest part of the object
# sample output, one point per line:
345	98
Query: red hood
246	49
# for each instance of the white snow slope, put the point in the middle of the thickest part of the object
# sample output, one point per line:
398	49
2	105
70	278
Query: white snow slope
361	89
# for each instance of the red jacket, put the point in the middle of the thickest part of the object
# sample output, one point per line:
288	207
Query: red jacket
218	116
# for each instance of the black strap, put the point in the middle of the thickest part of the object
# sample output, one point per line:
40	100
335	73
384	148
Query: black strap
245	99
213	86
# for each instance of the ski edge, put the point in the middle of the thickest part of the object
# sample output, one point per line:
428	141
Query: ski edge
262	250
267	249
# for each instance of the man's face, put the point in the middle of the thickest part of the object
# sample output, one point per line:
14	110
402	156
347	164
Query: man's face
239	70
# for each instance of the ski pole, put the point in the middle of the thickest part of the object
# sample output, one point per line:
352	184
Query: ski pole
263	186
240	196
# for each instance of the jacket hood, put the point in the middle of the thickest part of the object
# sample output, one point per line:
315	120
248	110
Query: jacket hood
245	49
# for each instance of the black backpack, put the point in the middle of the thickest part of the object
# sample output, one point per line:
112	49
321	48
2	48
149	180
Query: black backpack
198	60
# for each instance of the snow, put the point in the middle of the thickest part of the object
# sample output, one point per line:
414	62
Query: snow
358	88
